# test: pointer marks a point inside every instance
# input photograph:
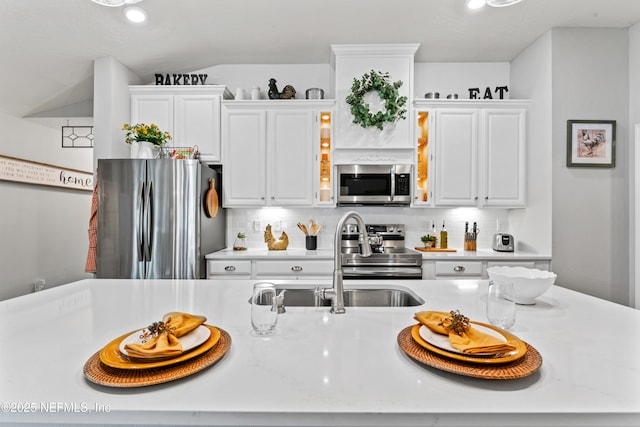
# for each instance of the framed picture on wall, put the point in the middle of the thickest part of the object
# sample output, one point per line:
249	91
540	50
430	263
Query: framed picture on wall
591	143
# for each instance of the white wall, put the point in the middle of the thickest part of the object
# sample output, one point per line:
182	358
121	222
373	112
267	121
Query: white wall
111	107
531	79
43	229
634	159
591	206
458	77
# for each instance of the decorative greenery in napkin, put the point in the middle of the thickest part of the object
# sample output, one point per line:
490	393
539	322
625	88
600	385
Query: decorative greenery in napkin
467	339
162	338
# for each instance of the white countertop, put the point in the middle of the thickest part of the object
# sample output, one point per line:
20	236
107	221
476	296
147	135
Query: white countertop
320	368
480	255
259	253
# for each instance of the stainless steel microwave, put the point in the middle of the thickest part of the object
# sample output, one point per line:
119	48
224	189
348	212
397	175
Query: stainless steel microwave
388	185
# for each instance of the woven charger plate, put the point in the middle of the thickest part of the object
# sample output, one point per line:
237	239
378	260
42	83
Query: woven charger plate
99	373
520	368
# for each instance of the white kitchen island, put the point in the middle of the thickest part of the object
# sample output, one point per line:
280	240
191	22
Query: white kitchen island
319	368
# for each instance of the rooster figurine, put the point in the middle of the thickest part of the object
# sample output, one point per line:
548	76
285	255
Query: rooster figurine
287	93
275	244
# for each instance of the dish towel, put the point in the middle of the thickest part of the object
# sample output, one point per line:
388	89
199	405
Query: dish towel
471	341
166	343
90	266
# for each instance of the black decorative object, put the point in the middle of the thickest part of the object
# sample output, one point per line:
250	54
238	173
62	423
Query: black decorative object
181	79
288	92
500	91
77	136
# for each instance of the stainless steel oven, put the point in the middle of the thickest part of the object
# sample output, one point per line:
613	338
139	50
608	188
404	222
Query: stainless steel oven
388	185
390	258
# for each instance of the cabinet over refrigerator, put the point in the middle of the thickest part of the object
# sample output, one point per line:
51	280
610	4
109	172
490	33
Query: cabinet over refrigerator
152	219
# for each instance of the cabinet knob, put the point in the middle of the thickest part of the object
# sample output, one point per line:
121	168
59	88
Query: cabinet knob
296	268
486	197
273	197
230	268
458	268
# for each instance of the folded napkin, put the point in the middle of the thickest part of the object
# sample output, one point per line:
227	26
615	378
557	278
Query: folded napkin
470	341
163	341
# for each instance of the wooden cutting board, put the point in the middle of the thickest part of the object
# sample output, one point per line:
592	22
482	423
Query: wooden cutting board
423	249
211	200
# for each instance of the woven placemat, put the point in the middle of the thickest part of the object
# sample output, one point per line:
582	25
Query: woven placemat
520	368
99	373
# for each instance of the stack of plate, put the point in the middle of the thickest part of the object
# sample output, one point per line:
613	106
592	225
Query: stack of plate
111	366
435	350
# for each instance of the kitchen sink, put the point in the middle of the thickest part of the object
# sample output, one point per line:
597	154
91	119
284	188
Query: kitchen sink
394	296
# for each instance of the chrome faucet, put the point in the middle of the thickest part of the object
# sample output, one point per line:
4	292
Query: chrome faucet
336	293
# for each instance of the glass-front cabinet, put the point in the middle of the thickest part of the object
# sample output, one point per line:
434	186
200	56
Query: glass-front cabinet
422	194
324	194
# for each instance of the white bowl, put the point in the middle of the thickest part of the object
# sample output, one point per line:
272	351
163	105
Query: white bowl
528	283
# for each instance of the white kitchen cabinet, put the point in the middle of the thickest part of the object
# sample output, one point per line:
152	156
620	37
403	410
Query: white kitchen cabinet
503	157
229	269
269	153
456	157
458	269
470	269
474	151
273	268
190	114
244	157
298	269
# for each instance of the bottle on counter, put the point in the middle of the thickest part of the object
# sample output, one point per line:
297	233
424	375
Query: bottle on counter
433	231
444	237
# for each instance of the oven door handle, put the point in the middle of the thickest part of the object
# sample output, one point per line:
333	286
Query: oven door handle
393	182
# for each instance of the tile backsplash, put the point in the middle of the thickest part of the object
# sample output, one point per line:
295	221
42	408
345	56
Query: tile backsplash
417	222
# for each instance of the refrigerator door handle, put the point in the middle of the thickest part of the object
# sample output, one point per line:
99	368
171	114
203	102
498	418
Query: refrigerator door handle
140	226
148	209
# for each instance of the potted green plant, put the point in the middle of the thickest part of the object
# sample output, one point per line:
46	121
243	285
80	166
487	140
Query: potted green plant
146	140
429	241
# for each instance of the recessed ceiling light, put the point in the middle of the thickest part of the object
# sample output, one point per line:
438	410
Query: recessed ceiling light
502	3
475	4
135	14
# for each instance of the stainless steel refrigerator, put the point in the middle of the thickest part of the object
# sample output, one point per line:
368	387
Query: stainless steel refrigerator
153	218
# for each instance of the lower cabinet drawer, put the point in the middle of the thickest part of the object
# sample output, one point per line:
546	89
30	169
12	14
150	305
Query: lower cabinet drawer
294	268
458	268
222	268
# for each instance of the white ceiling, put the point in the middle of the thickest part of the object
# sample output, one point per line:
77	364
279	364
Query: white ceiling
48	46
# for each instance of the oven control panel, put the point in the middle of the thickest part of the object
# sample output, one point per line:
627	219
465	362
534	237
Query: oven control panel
382	229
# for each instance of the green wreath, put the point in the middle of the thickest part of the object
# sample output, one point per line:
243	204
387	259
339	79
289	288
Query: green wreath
388	92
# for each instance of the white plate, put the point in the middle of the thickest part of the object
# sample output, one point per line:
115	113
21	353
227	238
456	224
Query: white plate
189	341
442	341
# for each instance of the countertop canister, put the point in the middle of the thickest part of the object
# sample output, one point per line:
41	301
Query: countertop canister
314	93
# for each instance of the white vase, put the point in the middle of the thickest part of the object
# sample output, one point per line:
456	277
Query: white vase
143	150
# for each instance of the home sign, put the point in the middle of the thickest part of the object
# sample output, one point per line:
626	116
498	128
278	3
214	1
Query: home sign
181	79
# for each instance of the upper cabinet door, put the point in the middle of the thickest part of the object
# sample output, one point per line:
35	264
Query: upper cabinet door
197	119
190	113
153	108
244	136
290	157
503	163
456	157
